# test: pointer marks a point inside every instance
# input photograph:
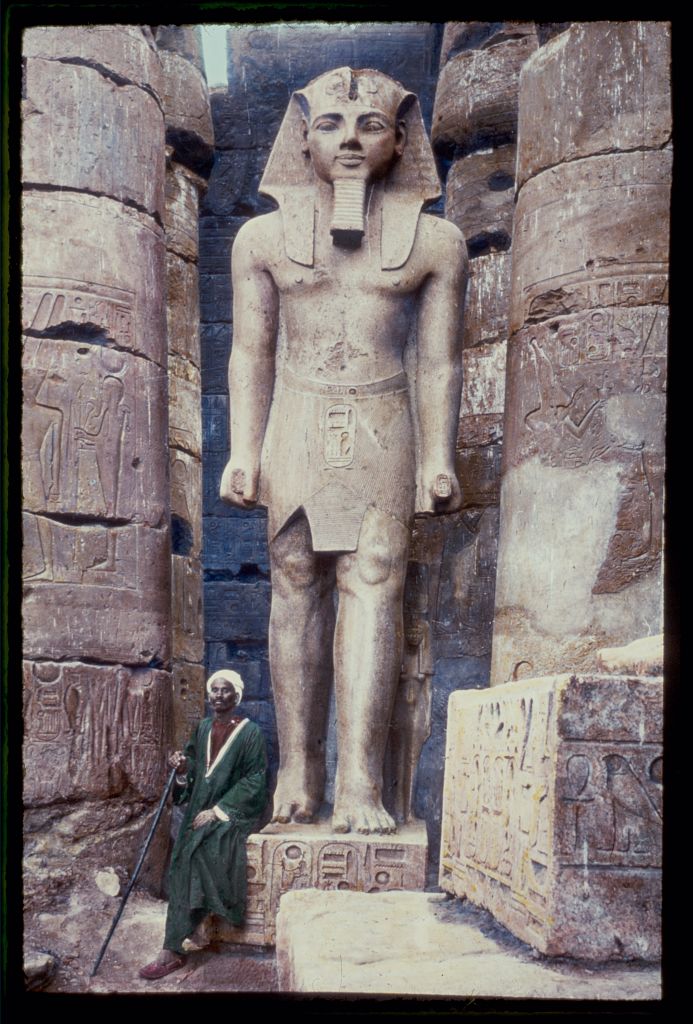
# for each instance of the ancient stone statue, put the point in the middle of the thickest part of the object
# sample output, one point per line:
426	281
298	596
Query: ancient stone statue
324	429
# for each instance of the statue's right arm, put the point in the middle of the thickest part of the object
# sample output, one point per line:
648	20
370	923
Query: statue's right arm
251	366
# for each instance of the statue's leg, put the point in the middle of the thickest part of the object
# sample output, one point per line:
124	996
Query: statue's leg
368	659
300	648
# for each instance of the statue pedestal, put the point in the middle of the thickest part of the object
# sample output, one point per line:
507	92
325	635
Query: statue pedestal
286	857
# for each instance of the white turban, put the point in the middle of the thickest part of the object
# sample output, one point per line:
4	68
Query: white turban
229	676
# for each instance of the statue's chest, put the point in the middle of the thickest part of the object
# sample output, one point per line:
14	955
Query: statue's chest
344	278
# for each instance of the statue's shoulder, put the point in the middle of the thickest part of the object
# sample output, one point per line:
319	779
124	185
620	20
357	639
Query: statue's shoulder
440	241
260	234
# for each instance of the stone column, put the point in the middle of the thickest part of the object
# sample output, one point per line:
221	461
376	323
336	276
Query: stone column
189	159
579	564
96	610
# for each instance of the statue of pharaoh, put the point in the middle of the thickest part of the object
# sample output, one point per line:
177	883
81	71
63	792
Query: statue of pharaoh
328	436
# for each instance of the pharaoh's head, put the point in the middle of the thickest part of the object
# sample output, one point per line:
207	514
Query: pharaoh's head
352	129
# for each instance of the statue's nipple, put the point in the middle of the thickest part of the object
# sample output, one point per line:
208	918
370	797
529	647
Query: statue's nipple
348	221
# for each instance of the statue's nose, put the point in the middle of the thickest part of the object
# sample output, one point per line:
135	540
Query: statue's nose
350	138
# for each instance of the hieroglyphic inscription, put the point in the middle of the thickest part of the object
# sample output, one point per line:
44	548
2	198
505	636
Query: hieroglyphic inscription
89	440
93	731
49	303
281	859
557	296
533	822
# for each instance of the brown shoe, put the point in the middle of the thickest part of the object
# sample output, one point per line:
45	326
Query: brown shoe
156	969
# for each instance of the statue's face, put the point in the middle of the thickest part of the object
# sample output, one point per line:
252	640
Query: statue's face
352	140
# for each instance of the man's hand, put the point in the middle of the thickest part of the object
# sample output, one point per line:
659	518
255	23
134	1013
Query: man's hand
179	761
440	493
204	818
239	484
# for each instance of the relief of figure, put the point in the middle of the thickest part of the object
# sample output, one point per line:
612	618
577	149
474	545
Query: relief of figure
101	428
349	263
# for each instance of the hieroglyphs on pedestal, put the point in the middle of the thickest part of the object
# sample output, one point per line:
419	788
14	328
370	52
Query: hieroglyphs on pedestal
283	859
553	812
323	433
580	569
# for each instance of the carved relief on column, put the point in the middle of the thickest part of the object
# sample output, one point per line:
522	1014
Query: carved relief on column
580	556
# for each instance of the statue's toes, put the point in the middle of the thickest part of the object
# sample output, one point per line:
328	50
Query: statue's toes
304	815
282	814
340	823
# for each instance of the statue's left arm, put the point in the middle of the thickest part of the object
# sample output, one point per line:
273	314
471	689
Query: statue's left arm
439	363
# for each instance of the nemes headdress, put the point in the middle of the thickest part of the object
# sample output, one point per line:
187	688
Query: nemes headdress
412	182
229	676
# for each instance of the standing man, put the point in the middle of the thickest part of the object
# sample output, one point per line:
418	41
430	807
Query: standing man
340	449
222	780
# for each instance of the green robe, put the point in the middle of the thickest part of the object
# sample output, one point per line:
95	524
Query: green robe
208	864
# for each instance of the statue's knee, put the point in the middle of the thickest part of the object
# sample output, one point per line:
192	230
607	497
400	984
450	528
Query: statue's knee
296	568
375	563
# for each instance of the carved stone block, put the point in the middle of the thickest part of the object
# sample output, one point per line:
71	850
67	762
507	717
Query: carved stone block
232	542
188	701
186	503
476	99
237	611
233	183
215	413
184	423
216	345
119	300
92	432
96	591
484	377
480	195
552	812
186	609
185	98
94	731
487	306
602	86
124	51
105	137
592	233
183	189
283	858
183	308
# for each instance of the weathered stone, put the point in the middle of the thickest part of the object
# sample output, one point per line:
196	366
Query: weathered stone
233	543
183	190
92	432
488	299
215	412
459	36
110	286
107	882
116	51
185	101
186	503
184	40
236	611
188	701
233	184
186	609
86	116
184	424
283	858
93	731
476	98
602	86
584	429
644	657
398	944
39	969
484	376
552	812
96	592
480	197
183	308
592	233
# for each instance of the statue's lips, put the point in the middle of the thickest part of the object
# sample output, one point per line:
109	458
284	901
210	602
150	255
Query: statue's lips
350	161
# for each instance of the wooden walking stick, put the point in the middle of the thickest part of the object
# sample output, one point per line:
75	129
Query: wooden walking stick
143	854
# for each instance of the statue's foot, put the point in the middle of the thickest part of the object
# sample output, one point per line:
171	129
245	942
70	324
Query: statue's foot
364	816
302	811
296	797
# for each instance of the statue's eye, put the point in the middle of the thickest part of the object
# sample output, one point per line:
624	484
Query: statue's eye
374	126
326	126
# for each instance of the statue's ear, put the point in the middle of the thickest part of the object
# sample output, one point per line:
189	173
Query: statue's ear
400	137
304	135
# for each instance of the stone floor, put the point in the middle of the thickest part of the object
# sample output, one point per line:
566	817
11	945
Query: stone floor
397	944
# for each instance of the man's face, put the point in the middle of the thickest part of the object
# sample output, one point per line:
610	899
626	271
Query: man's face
352	141
222	696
